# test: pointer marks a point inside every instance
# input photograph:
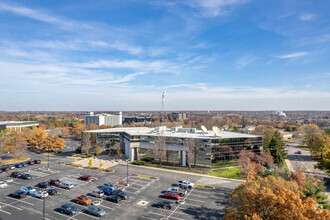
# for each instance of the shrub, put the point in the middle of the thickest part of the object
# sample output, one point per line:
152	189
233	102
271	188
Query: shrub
75	165
88	156
109	170
139	162
147	159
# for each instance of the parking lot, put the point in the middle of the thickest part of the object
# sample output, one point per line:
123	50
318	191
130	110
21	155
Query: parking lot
199	203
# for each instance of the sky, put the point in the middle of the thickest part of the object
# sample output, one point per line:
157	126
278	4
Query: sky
114	55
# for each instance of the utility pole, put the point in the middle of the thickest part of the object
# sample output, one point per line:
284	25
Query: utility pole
127	171
43	210
163	98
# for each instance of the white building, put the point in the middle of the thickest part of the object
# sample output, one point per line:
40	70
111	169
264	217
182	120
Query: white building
103	119
17	125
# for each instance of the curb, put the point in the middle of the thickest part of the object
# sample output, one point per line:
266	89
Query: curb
195	174
144	176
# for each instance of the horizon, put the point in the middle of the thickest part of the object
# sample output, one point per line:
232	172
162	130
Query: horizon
240	55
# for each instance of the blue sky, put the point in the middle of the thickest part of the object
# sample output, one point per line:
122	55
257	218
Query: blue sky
206	54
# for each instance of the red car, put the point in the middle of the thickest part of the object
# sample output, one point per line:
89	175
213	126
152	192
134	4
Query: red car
31	162
85	177
172	195
54	182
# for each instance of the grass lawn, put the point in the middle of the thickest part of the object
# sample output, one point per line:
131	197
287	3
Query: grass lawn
227	173
11	161
223	164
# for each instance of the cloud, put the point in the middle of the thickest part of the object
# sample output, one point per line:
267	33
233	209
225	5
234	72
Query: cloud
292	55
307	17
213	8
244	61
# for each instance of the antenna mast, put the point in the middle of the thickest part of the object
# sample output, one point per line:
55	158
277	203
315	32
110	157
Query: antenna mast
163	98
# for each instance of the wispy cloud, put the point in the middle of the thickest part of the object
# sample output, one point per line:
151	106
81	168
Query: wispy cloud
307	17
244	61
213	8
292	55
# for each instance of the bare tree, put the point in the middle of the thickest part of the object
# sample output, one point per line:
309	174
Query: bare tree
160	148
86	142
190	147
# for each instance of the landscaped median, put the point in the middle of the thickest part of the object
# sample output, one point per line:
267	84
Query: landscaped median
204	186
13	161
144	176
87	167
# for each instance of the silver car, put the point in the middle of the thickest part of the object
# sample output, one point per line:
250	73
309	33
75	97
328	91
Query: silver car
94	210
97	193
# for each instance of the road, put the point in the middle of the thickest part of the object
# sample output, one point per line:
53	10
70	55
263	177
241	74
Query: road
304	161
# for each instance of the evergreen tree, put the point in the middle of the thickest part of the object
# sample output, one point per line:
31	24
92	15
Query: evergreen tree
277	148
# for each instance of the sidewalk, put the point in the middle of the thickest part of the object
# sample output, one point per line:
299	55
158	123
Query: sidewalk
96	162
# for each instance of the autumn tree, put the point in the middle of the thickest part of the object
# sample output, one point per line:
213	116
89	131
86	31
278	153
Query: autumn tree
15	143
65	132
36	137
92	126
308	133
267	132
277	148
271	198
3	135
98	150
53	143
190	148
78	128
160	147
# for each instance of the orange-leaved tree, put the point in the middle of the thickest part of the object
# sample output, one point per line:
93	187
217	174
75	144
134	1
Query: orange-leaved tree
272	198
36	137
53	143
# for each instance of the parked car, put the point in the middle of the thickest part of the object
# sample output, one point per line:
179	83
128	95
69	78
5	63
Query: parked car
94	210
18	194
298	152
113	198
68	209
66	185
186	184
25	176
85	177
41	194
29	189
177	190
3	184
54	182
25	164
19	165
12	166
5	168
42	185
164	204
110	185
51	191
120	193
37	161
31	162
84	200
172	195
16	174
96	193
1	170
106	190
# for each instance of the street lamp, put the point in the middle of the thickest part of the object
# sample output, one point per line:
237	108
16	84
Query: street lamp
43	209
127	171
48	158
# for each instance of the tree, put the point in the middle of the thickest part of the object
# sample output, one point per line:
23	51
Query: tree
78	128
15	143
190	147
36	137
92	127
65	132
90	163
308	132
98	150
160	147
267	132
86	142
249	167
119	153
277	148
53	143
320	145
271	198
3	135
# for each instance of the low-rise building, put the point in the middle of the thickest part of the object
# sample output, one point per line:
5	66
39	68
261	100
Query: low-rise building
17	125
208	148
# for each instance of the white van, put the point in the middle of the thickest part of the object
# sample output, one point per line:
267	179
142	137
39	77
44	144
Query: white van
66	185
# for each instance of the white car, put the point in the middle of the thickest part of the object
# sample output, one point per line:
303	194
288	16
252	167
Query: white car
41	194
110	185
176	190
3	184
97	193
186	184
29	189
66	185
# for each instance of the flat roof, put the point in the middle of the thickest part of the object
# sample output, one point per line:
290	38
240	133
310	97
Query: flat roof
147	131
13	123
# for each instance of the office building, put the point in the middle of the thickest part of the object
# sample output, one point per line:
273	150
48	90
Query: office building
103	119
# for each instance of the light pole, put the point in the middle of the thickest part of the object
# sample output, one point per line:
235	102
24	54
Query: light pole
43	210
127	172
48	159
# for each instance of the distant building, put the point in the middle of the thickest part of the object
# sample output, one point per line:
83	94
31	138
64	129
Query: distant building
136	120
103	119
280	113
177	116
248	129
17	125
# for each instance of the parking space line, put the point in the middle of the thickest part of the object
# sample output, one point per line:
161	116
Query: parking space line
156	213
200	196
5	204
190	209
180	204
88	215
8	213
176	218
66	215
148	218
134	187
21	200
199	206
202	201
106	207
